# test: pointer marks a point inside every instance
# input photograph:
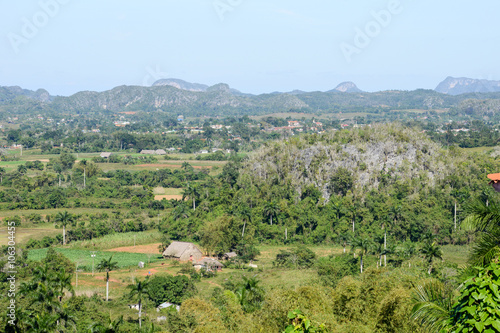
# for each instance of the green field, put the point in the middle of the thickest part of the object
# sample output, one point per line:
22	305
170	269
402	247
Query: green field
118	240
83	257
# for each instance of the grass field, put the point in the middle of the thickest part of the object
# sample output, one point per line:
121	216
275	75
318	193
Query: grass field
118	240
24	234
83	257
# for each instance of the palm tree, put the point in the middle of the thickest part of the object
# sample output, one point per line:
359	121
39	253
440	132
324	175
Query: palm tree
432	304
246	215
63	281
271	209
409	251
344	239
364	245
389	223
107	266
139	290
186	166
64	218
484	219
430	251
380	247
250	294
112	326
191	192
181	211
2	173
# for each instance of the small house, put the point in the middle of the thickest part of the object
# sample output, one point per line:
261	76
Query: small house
167	305
106	155
160	152
147	152
209	264
229	255
182	251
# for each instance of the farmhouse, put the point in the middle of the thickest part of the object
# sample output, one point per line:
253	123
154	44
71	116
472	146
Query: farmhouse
148	152
209	264
106	155
167	305
182	251
229	255
160	152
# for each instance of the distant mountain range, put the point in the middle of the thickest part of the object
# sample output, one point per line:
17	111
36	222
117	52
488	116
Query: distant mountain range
463	85
195	99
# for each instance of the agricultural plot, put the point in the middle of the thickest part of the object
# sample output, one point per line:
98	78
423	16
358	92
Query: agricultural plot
84	259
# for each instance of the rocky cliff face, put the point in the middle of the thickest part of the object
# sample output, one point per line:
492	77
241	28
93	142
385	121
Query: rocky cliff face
463	85
378	156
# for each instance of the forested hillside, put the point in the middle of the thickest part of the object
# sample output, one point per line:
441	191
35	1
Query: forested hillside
314	188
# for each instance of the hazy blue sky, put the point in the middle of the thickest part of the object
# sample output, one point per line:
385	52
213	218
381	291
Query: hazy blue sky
255	46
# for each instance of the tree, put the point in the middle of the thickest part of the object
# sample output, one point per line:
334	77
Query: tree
62	282
250	294
478	306
364	245
67	160
302	324
431	251
485	220
341	182
432	303
186	166
390	223
191	192
168	288
112	326
44	292
64	218
246	215
22	168
139	290
298	258
271	209
107	266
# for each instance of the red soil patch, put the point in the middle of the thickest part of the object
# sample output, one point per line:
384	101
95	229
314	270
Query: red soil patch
128	112
168	197
147	249
43	160
173	166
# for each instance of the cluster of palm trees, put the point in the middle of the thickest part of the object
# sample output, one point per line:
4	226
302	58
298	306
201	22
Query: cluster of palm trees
45	292
47	312
363	246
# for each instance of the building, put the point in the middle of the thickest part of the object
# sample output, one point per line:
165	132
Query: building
182	251
160	152
167	305
180	118
106	155
229	255
147	152
209	264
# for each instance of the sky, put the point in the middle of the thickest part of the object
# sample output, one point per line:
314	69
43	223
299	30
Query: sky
255	46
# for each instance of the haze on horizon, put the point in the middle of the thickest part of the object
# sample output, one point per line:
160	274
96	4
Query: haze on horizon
255	46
